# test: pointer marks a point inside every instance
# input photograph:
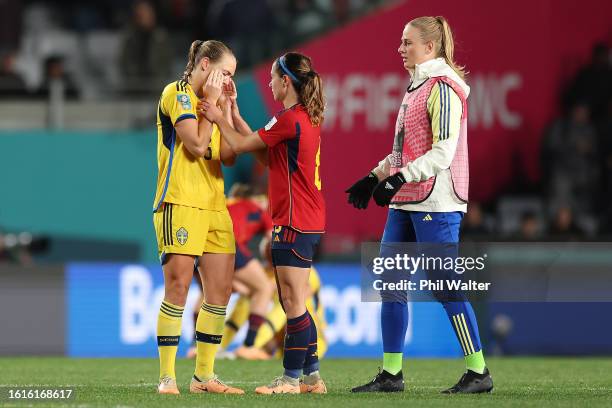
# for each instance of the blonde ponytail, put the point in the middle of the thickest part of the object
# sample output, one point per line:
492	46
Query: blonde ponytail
447	47
437	30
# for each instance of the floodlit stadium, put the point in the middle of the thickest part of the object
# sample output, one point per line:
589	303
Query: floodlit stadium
364	202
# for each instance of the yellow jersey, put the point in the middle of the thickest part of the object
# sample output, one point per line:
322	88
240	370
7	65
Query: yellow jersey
182	178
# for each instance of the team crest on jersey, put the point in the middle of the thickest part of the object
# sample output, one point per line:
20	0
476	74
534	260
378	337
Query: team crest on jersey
270	123
182	235
184	100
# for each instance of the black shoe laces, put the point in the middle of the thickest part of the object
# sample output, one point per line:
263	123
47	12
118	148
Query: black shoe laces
375	379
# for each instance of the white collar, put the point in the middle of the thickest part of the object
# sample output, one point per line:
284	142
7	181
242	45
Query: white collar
422	72
436	67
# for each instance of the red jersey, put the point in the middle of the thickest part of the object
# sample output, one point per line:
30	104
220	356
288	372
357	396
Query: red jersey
249	219
294	186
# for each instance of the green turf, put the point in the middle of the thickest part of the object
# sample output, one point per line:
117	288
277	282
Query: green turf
519	382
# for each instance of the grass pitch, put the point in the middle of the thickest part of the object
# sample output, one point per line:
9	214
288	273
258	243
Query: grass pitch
519	382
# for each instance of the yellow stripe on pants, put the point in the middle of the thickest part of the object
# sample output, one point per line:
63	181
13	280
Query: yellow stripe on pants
460	335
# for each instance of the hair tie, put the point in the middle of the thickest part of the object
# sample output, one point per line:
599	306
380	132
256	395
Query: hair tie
281	62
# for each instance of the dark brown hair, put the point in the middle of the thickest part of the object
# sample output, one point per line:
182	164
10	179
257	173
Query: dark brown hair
212	49
307	83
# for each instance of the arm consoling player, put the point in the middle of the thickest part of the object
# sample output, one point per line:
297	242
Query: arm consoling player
290	144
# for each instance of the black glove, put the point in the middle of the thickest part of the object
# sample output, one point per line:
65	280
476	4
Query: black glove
361	191
384	192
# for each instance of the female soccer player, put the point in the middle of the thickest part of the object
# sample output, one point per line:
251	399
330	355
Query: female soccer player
250	219
190	216
425	179
290	144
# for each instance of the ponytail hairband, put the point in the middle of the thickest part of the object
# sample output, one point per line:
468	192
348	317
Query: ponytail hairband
281	62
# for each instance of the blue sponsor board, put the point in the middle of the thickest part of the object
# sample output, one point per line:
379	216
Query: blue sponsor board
112	311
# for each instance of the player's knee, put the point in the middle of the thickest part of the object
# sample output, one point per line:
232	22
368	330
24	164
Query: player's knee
288	301
176	291
219	295
391	296
292	301
269	289
446	297
262	288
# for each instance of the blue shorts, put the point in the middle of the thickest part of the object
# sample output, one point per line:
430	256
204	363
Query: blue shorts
436	234
419	226
242	259
293	248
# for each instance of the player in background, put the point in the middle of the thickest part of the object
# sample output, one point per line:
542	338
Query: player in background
250	219
425	179
290	145
190	215
250	280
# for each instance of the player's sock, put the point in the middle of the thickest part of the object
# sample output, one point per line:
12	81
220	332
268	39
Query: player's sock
311	362
394	322
475	362
209	331
168	335
392	362
275	320
229	331
463	320
255	322
239	315
296	344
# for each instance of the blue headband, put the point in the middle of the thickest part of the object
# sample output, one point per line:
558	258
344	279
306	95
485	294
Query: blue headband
281	62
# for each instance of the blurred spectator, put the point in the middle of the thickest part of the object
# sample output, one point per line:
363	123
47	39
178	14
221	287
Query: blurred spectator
564	227
4	254
11	83
474	225
530	227
569	160
605	148
10	23
245	25
146	53
12	249
593	83
309	17
57	79
341	10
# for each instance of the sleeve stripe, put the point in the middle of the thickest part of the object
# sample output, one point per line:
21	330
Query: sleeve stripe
440	115
442	110
447	112
445	107
441	88
448	108
185	116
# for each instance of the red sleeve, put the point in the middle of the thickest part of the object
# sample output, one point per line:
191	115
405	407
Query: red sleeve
279	129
